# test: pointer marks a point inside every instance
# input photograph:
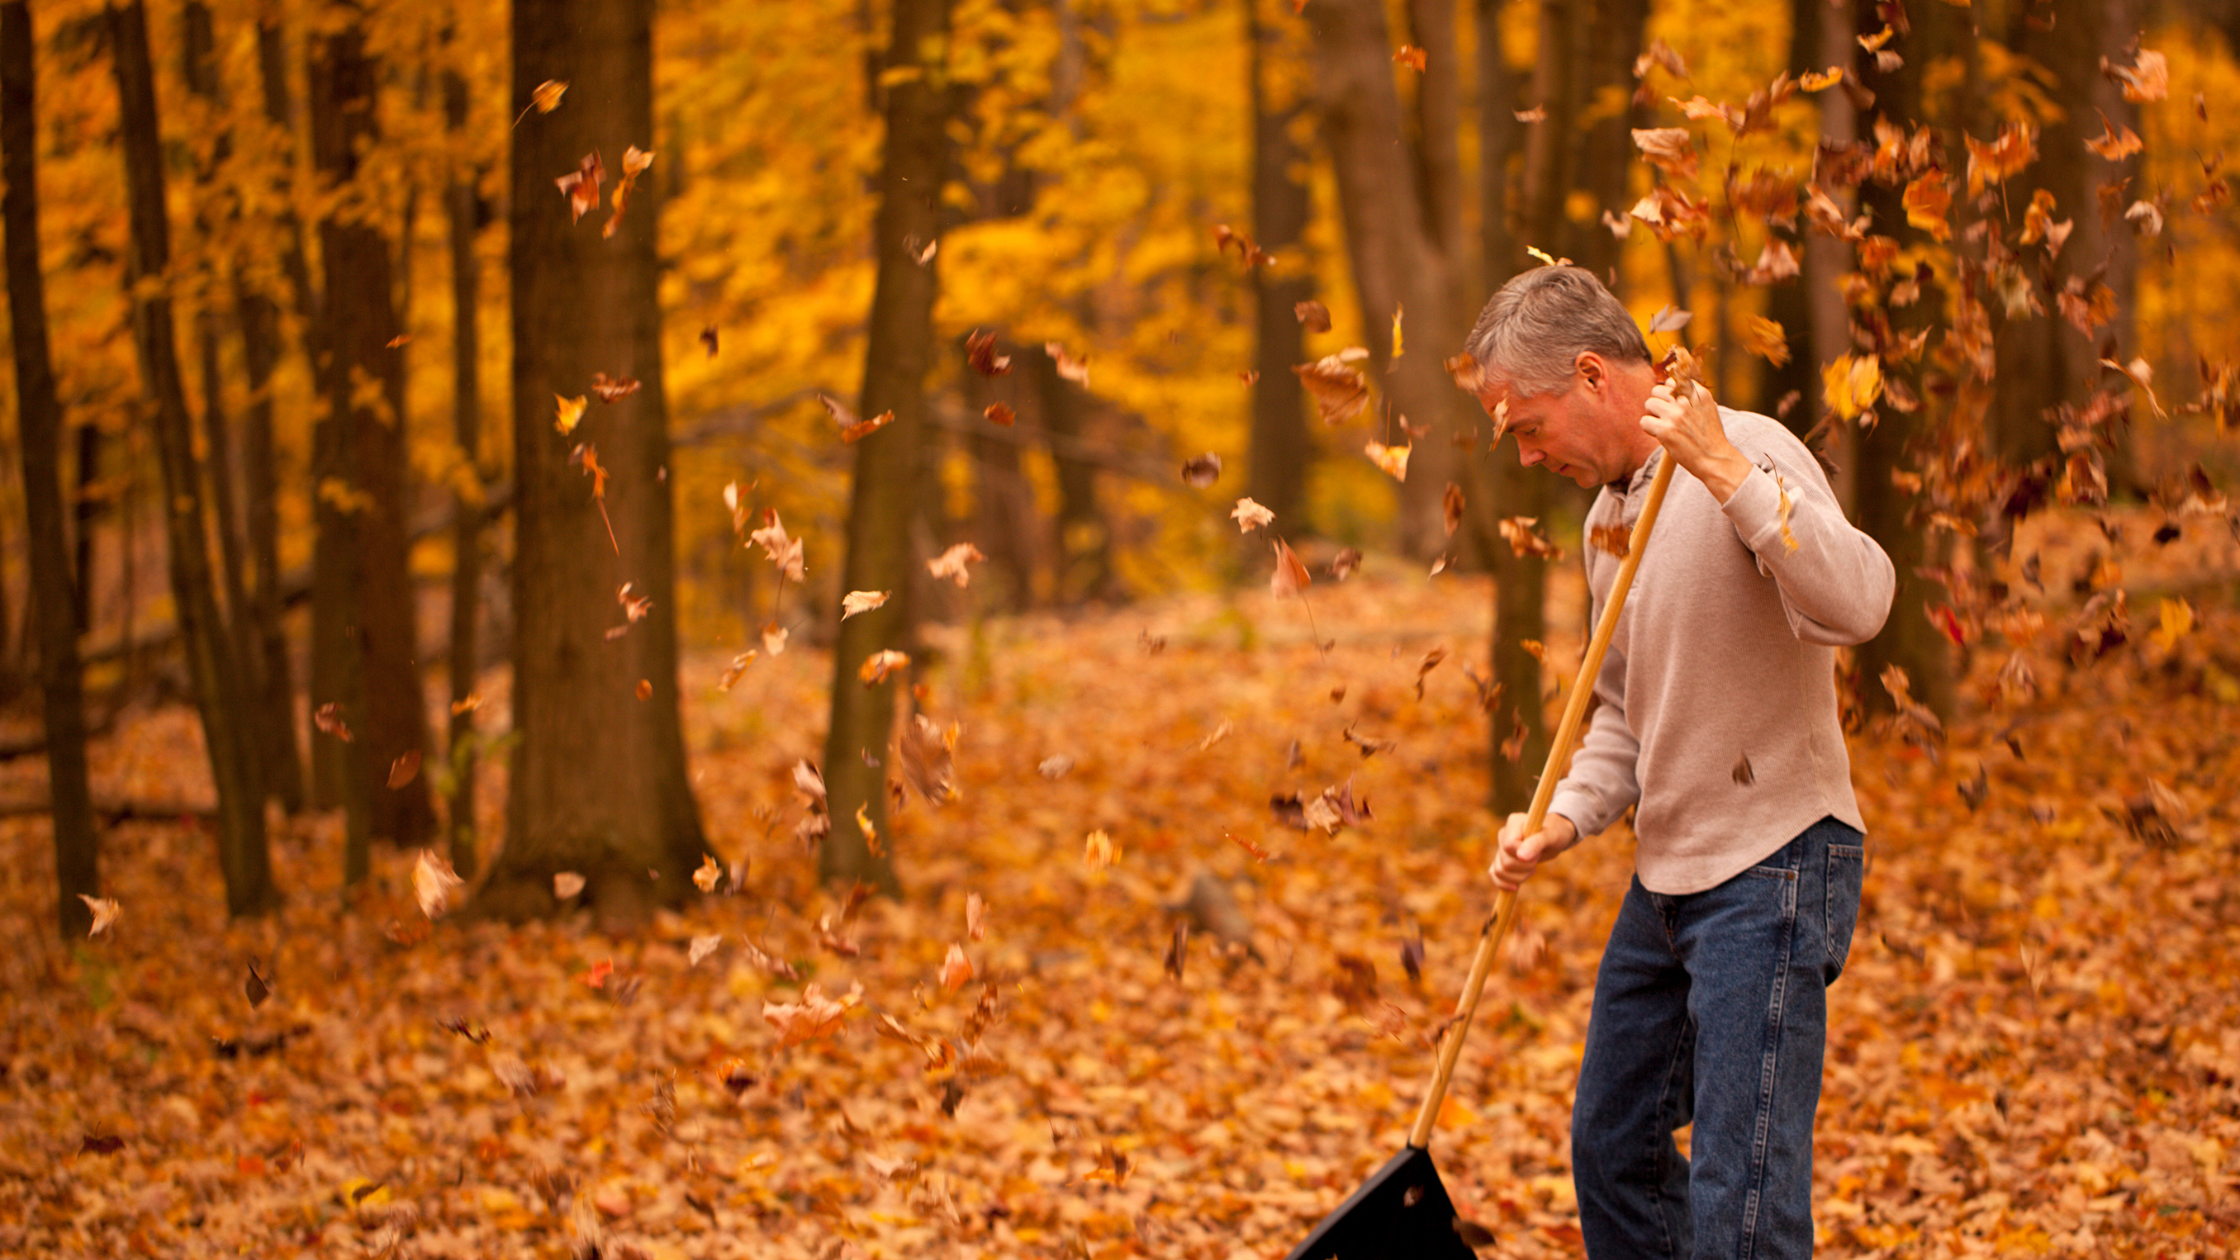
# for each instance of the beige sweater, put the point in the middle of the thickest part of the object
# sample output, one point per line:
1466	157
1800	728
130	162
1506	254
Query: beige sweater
1725	651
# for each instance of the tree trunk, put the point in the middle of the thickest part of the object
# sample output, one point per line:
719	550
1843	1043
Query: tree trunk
464	209
2044	361
1398	265
1607	36
1281	446
39	426
880	510
1083	544
1896	443
598	782
363	631
1520	583
271	724
210	660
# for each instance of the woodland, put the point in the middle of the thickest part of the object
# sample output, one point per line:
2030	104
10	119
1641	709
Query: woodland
862	628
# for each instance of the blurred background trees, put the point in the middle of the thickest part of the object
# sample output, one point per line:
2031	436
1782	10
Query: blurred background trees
365	371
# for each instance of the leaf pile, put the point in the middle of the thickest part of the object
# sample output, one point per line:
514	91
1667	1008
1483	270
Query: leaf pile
1128	1008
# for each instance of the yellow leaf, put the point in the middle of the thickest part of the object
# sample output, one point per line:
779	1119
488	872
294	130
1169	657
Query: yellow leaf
1928	201
2177	622
1852	385
571	411
1392	459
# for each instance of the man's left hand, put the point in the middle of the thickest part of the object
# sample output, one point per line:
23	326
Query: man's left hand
1687	426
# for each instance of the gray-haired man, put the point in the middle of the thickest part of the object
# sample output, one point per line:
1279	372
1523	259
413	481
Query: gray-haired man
1719	725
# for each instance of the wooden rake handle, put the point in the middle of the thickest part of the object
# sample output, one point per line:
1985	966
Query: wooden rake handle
1504	915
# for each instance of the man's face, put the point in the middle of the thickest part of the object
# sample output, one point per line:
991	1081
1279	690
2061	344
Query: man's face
1556	429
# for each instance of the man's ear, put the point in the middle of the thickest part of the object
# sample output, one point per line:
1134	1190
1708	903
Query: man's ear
1591	369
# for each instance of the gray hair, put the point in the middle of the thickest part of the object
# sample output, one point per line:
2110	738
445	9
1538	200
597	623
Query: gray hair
1532	333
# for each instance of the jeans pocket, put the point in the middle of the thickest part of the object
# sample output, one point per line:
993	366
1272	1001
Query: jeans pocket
1846	874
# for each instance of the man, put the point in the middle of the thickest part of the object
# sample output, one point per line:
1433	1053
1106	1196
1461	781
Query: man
1718	724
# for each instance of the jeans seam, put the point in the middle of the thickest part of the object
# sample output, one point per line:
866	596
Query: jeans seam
1761	1136
1663	1102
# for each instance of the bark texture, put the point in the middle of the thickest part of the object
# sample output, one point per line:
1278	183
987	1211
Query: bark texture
881	507
39	428
598	783
215	674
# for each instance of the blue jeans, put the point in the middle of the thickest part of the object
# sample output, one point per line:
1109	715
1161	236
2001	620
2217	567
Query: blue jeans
1712	1007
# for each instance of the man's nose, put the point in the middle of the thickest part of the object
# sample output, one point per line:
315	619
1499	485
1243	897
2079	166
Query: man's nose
1529	456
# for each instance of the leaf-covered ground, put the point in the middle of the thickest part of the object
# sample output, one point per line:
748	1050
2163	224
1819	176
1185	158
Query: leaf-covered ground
2036	1047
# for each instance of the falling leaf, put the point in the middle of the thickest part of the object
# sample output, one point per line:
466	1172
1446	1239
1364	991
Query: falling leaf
702	946
1669	319
644	690
466	704
1411	56
328	717
544	98
1339	388
105	911
709	872
956	970
1819	80
1851	385
570	411
433	882
998	414
951	564
1537	114
2148	79
1451	507
1290	577
1312	314
1200	472
1927	201
1069	368
581	185
1054	767
878	665
2176	621
975	917
634	163
404	769
980	352
920	255
1250	516
708	339
2115	143
1670	149
1525	540
601	971
566	884
1392	460
613	389
1176	950
1398	345
1766	339
399	341
1098	852
813	1018
861	601
852	428
869	829
1344	563
784	551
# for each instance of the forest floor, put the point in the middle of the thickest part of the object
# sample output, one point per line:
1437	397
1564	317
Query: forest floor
2035	1046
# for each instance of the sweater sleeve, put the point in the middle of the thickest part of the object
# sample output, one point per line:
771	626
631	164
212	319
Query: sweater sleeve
1836	583
1601	782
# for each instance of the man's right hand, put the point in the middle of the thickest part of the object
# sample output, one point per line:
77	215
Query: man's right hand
1518	855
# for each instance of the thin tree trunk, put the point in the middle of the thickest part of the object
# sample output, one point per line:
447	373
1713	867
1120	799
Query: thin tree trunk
879	557
598	781
363	628
1520	583
464	210
85	515
1084	537
1281	446
39	426
210	660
